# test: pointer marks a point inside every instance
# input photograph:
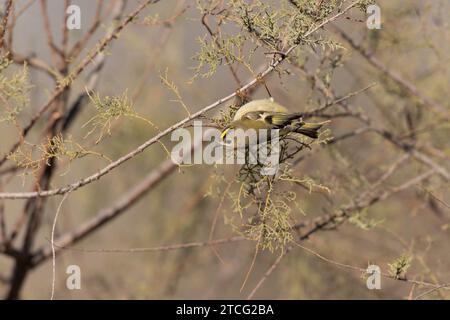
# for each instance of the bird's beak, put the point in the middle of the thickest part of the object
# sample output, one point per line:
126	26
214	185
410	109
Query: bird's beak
223	136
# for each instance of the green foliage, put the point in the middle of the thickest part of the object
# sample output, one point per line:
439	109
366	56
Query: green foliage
63	82
400	265
32	157
314	9
274	27
265	203
361	220
4	62
173	87
110	108
226	116
14	90
223	51
285	24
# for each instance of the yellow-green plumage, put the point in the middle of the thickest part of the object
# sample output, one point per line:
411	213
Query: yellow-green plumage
268	105
267	114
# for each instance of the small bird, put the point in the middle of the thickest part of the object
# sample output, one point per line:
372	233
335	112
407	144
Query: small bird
267	114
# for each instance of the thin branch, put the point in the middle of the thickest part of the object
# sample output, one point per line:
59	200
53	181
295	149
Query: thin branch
79	45
94	74
394	75
269	272
4	23
318	111
100	47
35	63
53	247
383	274
217	42
428	292
198	244
320	224
55	51
120	206
64	30
148	143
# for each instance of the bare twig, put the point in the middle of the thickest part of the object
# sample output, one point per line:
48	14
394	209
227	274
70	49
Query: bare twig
100	47
394	75
119	207
198	244
148	143
269	272
4	22
365	200
53	247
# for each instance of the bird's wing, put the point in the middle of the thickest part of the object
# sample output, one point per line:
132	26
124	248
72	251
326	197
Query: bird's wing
276	119
280	119
254	115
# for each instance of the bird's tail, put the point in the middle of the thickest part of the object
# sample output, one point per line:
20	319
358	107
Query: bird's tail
311	129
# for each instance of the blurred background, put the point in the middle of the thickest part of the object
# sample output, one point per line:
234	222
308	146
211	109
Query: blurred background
195	203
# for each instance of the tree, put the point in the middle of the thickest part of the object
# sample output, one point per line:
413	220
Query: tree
81	139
